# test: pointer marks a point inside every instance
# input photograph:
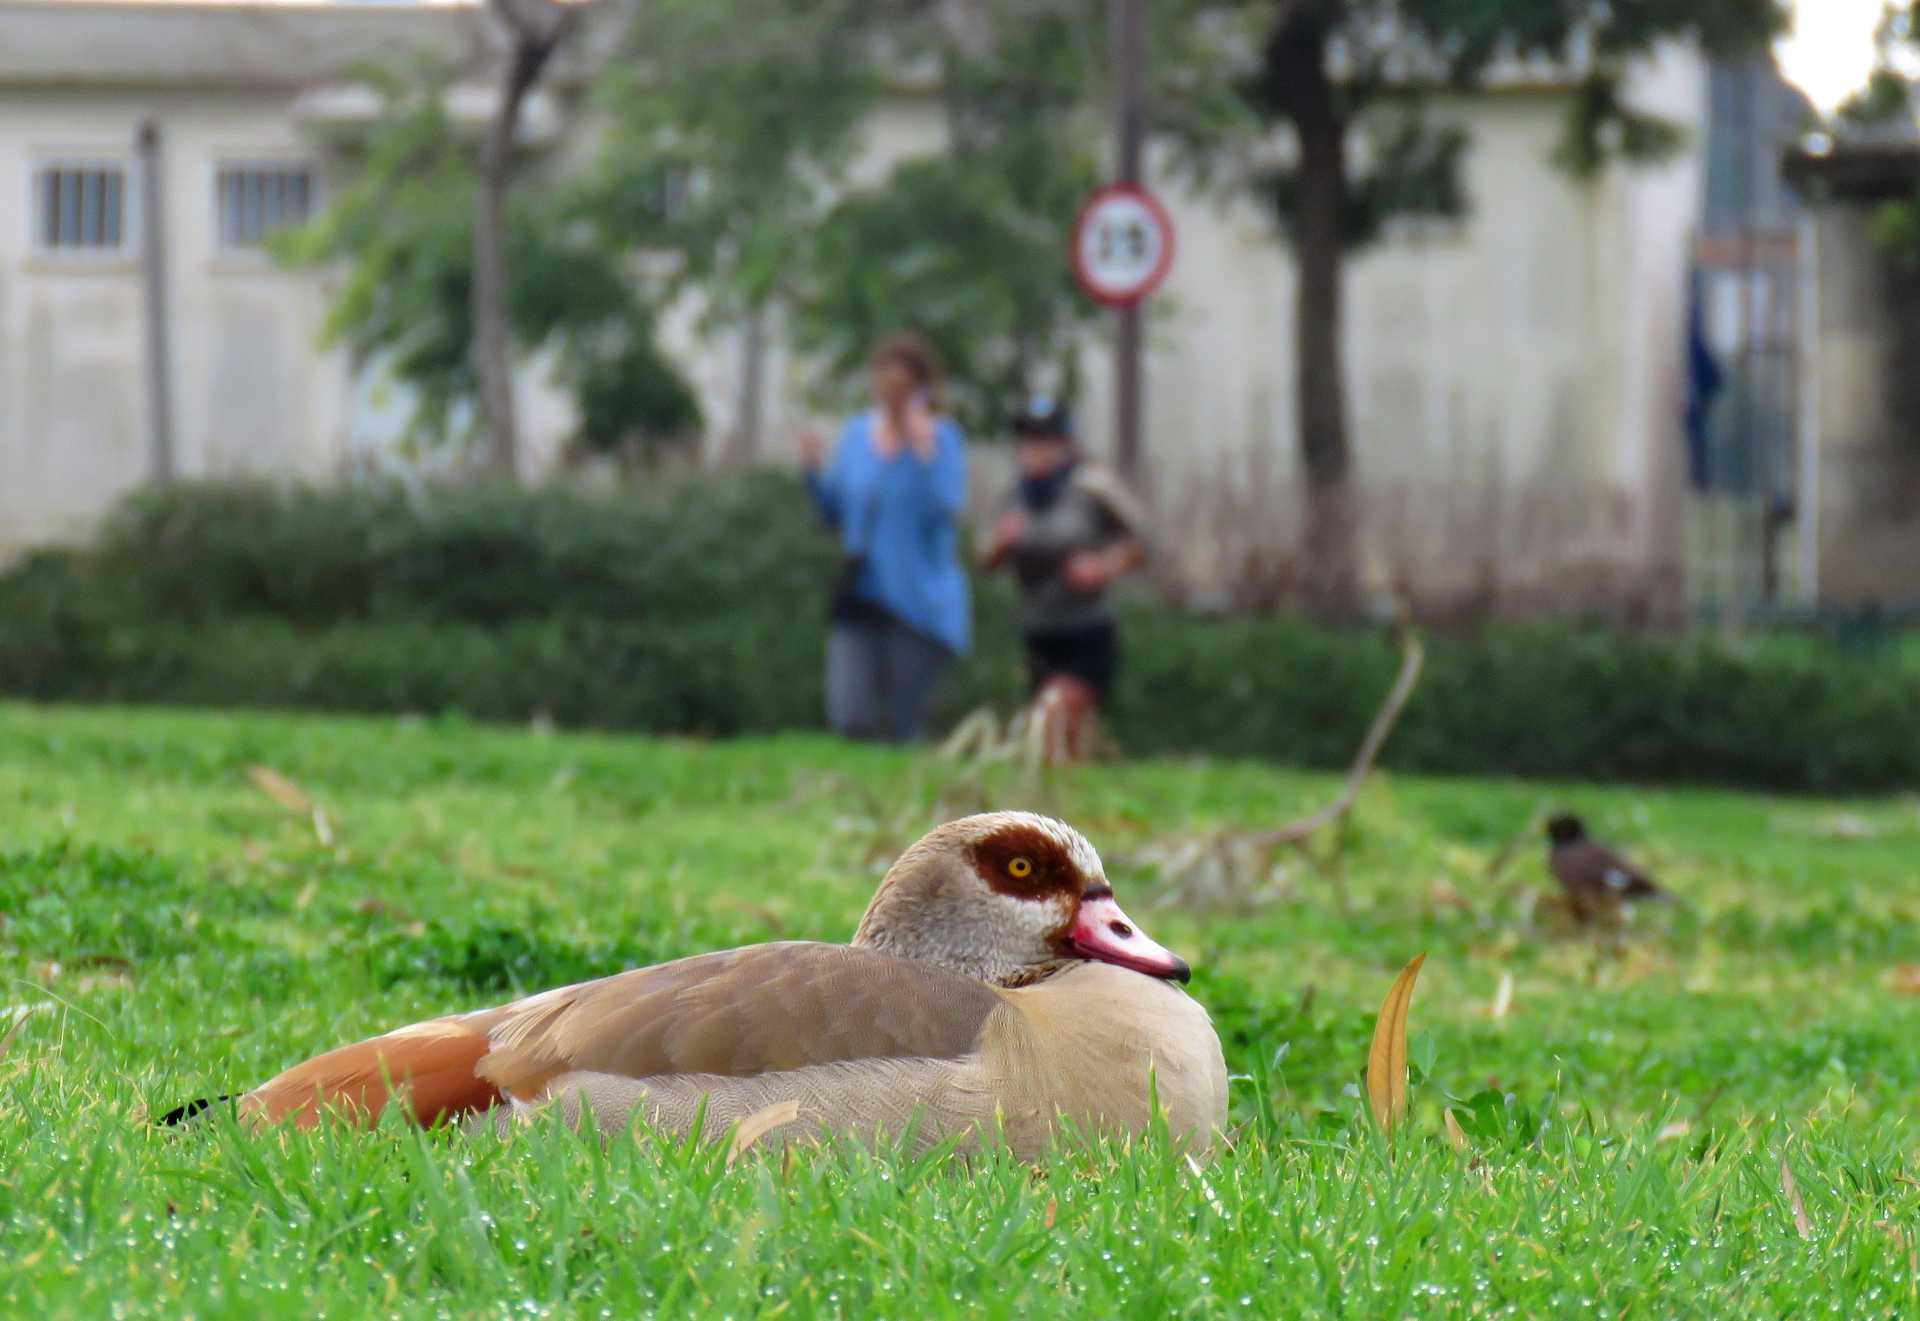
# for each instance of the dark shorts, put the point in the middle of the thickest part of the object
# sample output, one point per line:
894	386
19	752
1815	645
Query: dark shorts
1091	655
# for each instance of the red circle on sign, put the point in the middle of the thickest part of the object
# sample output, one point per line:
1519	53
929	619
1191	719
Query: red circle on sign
1131	291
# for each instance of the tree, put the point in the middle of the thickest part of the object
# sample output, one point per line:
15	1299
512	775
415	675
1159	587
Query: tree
1335	72
1888	105
763	101
534	30
968	244
401	231
756	105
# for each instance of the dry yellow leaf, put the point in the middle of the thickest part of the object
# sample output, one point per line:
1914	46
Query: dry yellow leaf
1387	1060
279	788
1455	1134
760	1123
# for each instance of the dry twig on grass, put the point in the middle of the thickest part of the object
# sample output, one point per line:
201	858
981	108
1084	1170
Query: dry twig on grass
1205	868
1413	656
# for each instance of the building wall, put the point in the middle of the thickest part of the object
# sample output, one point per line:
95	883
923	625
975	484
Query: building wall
254	393
1513	379
1865	397
250	393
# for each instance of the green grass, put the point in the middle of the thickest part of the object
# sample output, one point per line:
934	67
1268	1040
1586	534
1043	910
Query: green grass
182	933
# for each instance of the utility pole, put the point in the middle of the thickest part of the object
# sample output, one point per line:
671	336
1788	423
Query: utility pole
1128	23
153	262
753	371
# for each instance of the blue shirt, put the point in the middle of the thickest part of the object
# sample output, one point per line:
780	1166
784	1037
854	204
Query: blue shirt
900	514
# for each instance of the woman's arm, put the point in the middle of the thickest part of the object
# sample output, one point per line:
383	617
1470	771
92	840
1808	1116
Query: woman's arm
827	484
938	482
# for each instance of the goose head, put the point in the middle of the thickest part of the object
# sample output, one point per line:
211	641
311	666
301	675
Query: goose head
1007	897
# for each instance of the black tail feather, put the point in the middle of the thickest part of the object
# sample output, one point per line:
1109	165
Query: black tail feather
180	1114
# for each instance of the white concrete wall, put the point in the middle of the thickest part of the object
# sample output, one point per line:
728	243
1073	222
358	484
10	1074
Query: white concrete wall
254	394
1860	388
1514	380
251	394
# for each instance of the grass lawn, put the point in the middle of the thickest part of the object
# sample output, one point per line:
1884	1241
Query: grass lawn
177	931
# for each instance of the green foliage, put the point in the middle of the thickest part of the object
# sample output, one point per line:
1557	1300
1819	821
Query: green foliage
699	608
1389	60
175	934
402	232
967	245
1895	227
1542	701
1414	171
762	102
1602	128
1888	100
759	100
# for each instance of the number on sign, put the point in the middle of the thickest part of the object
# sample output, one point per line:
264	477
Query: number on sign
1123	245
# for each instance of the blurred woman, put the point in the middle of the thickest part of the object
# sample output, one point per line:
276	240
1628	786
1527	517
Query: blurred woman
893	490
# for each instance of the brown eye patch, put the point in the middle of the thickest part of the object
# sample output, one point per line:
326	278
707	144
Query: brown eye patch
1026	862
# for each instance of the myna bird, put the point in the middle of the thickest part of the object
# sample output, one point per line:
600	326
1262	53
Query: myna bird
1598	881
994	986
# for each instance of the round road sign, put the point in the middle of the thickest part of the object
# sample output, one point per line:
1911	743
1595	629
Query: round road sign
1122	245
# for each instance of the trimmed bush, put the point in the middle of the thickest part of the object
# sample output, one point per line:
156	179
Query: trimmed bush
698	609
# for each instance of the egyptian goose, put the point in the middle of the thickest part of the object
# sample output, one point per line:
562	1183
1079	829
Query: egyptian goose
993	986
1598	881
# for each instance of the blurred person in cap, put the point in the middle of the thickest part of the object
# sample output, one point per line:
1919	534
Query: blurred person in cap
1068	529
892	492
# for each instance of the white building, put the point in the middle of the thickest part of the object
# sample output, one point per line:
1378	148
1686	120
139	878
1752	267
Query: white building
1516	379
244	103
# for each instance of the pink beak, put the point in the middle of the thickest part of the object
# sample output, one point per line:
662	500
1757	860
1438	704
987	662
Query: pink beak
1105	933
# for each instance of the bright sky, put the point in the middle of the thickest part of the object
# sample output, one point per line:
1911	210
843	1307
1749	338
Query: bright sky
1830	51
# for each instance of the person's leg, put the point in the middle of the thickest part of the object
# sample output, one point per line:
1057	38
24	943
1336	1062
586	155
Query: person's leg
910	673
854	663
1100	660
1042	660
1089	654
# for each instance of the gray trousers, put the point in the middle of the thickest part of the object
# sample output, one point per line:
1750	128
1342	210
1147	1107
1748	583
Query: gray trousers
880	679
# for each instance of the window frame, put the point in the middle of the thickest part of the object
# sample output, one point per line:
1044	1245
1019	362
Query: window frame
224	164
43	166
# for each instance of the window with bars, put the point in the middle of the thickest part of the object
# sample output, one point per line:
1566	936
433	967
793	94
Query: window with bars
252	201
81	206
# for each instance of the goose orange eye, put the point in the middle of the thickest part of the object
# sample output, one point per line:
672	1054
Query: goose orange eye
1020	869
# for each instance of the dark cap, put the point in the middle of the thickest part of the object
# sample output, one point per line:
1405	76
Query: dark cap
1043	417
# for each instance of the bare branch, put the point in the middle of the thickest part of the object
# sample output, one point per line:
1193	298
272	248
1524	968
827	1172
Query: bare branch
1413	655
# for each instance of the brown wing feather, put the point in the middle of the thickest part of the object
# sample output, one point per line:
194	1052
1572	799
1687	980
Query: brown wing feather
1583	867
738	1013
431	1066
761	1009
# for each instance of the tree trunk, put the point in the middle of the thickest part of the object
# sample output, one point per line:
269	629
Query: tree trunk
1298	62
753	384
534	29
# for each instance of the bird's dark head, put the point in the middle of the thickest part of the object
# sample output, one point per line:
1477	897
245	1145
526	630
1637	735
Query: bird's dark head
1566	828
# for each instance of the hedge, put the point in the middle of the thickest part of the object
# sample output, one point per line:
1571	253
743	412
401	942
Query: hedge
697	609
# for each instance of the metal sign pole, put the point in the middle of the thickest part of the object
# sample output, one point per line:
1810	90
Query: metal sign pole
153	253
1128	19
